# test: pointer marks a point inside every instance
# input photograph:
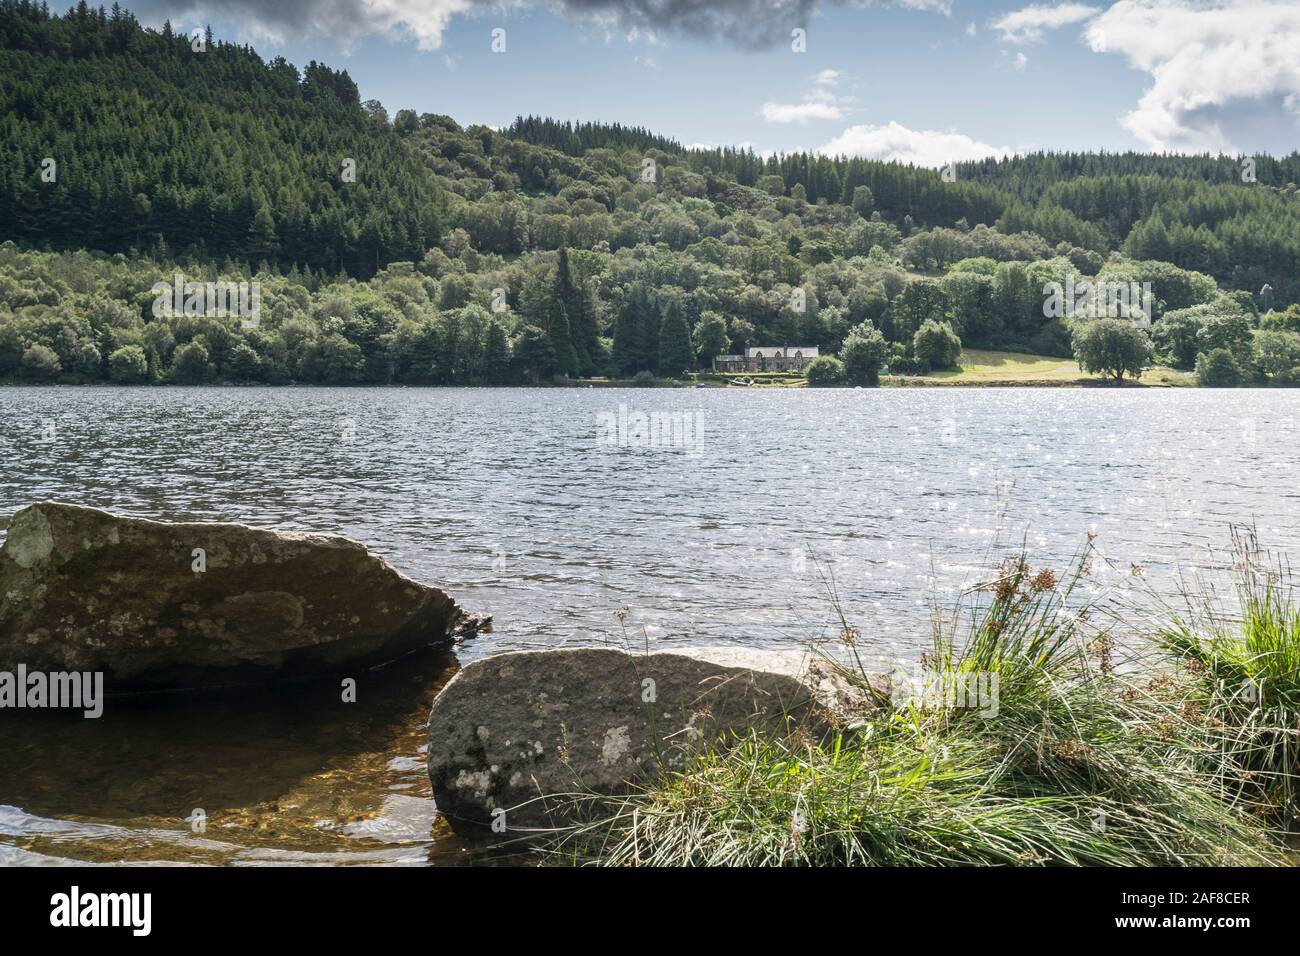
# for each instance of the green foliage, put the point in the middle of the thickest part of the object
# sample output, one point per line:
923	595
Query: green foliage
936	344
215	153
864	352
636	332
1245	678
1171	287
1114	347
534	355
496	354
825	371
129	365
1277	352
918	303
979	265
1072	761
970	308
1287	321
221	165
1177	333
1231	331
710	338
1193	212
863	200
41	363
1218	368
191	365
577	138
676	355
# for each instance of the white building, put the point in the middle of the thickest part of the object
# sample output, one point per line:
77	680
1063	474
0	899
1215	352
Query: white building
767	358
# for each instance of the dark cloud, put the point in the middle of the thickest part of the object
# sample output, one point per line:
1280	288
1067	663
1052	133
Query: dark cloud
749	24
340	20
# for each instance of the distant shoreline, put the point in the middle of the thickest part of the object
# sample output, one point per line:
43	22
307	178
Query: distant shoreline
886	383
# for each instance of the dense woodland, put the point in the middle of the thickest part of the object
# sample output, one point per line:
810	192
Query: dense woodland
547	251
215	153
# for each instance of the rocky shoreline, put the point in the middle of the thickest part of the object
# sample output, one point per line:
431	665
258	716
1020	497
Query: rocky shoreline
711	755
147	606
521	741
163	606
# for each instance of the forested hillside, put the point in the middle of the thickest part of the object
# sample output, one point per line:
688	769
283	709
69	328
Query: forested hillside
214	152
473	255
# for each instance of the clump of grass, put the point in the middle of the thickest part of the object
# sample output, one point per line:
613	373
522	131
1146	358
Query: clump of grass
1243	674
1070	763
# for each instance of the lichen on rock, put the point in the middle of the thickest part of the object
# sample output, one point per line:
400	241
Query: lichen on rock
530	733
158	605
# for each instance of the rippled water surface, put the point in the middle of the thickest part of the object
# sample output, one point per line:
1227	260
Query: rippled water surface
507	499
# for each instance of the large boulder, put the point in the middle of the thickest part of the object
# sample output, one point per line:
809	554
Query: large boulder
526	732
157	605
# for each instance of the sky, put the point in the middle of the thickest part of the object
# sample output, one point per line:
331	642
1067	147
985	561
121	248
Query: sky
924	81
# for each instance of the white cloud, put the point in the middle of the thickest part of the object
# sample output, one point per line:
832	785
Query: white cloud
1214	64
1027	25
894	142
800	112
971	29
1021	61
821	102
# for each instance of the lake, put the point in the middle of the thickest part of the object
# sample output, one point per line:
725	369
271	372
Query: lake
714	516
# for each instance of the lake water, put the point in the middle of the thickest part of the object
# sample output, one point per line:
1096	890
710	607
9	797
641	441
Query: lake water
551	509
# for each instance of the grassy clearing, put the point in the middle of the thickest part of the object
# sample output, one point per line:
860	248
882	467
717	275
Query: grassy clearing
979	366
1168	376
1076	757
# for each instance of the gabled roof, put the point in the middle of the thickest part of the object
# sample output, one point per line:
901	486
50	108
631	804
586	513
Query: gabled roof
777	351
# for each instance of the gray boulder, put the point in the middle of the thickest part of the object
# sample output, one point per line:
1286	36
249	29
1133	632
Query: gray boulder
158	605
526	732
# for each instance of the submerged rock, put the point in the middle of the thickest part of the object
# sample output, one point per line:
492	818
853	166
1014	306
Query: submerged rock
525	732
158	605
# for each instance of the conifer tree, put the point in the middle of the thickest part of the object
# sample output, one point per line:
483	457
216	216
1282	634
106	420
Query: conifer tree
676	354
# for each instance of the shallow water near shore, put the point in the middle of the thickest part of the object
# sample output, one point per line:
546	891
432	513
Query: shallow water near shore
290	775
508	500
